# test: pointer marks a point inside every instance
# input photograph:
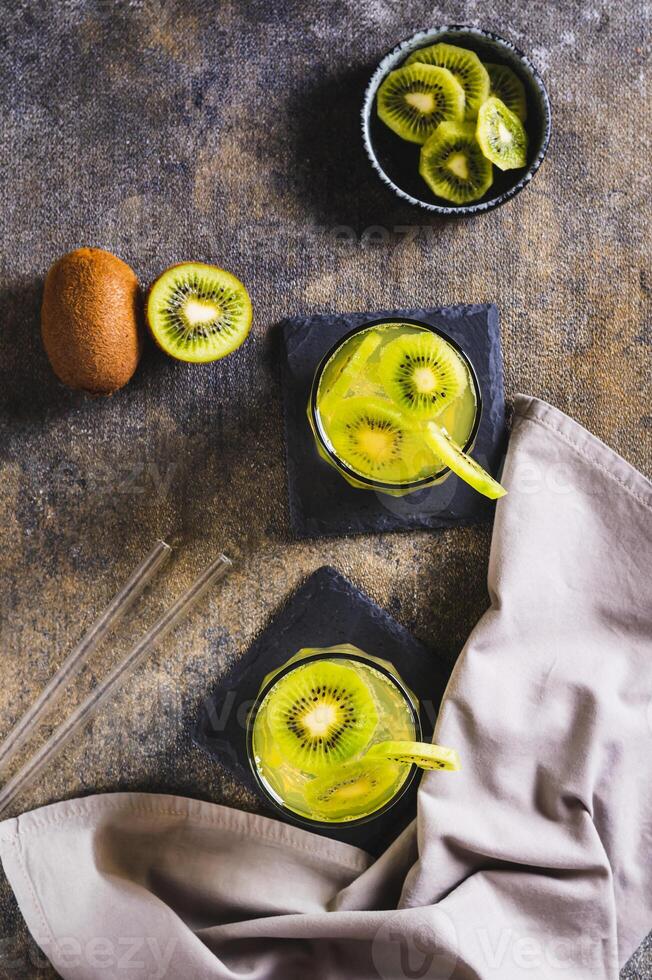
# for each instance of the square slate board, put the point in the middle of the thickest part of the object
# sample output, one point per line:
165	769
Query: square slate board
321	501
325	611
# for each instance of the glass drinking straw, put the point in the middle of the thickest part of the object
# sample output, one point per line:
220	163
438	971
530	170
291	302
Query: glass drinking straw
73	663
61	735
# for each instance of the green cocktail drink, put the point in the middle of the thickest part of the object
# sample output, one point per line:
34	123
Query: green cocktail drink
395	407
313	726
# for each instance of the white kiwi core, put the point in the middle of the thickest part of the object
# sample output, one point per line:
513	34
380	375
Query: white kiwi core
422	101
459	165
198	311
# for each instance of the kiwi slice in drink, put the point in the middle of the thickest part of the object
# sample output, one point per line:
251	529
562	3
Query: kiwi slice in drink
371	437
422	373
198	312
501	135
464	65
453	165
350	372
422	754
319	715
413	100
460	462
505	85
355	789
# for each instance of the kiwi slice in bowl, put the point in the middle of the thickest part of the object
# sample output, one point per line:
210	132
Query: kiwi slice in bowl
505	85
413	100
501	135
198	312
354	790
453	165
460	462
422	373
422	754
320	715
370	436
464	65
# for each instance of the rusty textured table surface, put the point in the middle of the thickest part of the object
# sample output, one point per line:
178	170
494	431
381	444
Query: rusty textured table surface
164	130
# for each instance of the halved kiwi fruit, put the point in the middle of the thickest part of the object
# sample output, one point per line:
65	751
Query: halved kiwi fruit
413	100
501	135
198	312
355	789
464	65
505	85
453	165
371	437
422	373
422	754
460	463
320	715
350	371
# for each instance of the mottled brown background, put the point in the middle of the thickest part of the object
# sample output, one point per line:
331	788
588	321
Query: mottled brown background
228	132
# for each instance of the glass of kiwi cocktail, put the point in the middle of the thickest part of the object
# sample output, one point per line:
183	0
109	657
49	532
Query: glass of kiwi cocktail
319	732
395	406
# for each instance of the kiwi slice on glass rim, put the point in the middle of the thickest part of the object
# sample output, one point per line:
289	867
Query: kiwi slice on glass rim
505	85
422	754
466	68
354	790
198	312
320	715
453	165
413	100
460	462
501	135
422	373
371	436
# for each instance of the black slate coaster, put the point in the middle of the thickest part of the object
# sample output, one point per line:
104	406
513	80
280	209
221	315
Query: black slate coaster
325	611
321	501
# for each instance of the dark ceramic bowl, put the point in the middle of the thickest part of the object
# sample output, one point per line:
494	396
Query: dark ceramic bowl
397	161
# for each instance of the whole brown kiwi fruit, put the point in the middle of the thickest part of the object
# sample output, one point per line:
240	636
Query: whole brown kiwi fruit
90	321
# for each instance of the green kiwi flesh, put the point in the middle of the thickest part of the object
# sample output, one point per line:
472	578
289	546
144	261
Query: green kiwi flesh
461	463
351	371
356	789
501	135
320	715
413	100
422	754
372	438
422	373
198	312
507	86
454	166
464	65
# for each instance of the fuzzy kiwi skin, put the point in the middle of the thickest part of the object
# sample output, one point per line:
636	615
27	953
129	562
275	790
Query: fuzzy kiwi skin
90	321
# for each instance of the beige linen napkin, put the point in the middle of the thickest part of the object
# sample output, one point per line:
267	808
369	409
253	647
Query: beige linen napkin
533	861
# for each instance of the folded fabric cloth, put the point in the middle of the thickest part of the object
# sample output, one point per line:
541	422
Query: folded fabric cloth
533	861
